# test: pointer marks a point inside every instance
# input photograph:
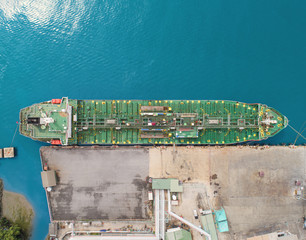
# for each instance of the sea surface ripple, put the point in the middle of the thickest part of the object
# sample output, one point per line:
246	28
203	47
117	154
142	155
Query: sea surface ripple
249	51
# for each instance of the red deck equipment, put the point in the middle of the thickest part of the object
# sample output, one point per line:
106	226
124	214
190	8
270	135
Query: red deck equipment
56	101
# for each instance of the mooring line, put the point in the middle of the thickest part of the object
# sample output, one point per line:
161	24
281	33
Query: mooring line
301	131
14	134
297	137
297	132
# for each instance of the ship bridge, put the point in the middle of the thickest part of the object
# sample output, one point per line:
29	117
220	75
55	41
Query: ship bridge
51	120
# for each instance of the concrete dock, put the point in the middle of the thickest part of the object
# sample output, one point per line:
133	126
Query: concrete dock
229	177
98	183
255	185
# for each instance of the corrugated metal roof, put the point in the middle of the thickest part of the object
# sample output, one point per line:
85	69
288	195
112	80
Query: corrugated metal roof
167	184
220	215
161	184
53	229
179	234
170	236
221	220
48	178
222	226
208	225
175	187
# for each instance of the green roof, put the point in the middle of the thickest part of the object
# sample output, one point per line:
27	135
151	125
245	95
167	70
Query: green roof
175	187
178	234
208	225
222	226
221	220
167	184
220	215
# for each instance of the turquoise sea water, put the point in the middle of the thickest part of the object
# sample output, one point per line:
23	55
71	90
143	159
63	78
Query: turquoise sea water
249	51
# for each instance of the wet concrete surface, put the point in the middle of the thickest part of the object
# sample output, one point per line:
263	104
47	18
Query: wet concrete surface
98	183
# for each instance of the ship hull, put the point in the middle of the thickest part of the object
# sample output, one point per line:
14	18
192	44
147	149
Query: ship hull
145	122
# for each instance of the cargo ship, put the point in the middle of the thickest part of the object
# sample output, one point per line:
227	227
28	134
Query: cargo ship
145	122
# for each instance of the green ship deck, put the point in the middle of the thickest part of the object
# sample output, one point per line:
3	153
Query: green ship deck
77	122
